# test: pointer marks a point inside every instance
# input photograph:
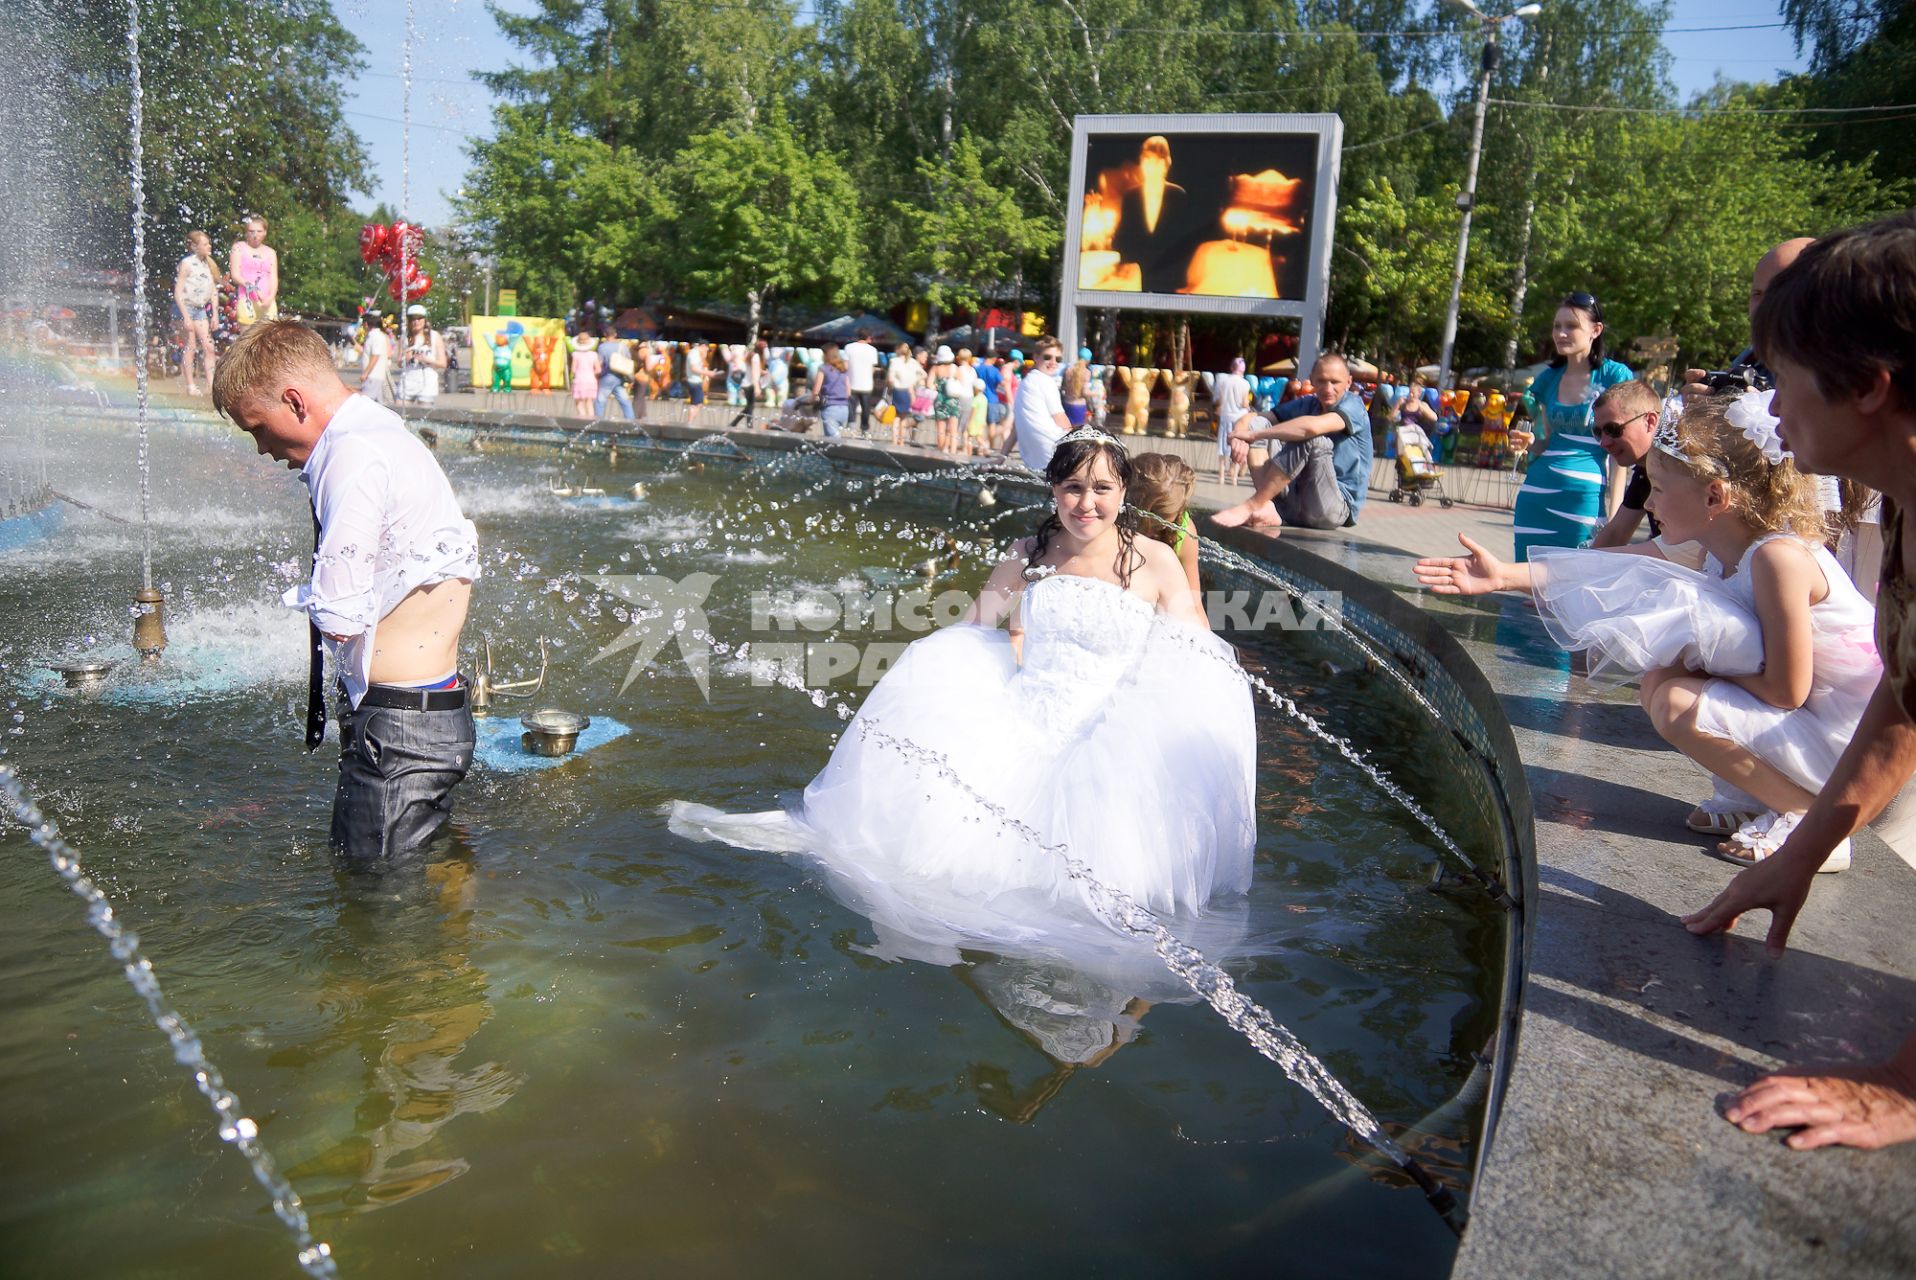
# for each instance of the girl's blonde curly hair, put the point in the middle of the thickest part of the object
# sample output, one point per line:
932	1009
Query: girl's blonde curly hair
1161	485
1769	497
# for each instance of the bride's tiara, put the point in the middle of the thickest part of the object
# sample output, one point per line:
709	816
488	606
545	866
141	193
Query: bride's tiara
1092	435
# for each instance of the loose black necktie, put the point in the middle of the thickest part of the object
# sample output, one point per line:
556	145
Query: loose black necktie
316	669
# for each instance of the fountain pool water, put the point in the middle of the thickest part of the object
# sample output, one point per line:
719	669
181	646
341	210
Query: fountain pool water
572	1040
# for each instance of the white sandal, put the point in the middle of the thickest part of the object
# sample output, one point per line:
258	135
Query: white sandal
1713	818
1764	834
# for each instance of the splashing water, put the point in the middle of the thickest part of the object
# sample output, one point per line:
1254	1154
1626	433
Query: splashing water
136	127
405	169
1268	1036
1313	726
405	121
729	517
235	1127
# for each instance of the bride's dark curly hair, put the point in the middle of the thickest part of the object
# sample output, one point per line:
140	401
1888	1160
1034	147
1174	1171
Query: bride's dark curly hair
1071	458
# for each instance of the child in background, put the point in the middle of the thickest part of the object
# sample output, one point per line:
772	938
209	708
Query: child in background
1161	485
976	439
1010	375
1759	671
585	374
501	362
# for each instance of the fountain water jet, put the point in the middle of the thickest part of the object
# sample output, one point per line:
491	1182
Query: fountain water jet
235	1127
149	626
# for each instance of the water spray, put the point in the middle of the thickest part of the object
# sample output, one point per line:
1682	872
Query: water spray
236	1128
149	622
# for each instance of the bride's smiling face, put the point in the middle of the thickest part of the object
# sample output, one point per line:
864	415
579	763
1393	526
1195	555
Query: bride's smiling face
1090	498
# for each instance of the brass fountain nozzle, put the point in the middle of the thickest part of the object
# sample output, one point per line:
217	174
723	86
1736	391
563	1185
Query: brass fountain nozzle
149	623
485	688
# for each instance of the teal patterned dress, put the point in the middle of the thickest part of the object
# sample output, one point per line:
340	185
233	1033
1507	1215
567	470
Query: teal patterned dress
1561	501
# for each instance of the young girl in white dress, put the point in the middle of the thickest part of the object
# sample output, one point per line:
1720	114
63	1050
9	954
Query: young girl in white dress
1759	667
1082	711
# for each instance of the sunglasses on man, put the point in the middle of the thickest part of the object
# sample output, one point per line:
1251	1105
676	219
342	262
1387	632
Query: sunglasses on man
1615	430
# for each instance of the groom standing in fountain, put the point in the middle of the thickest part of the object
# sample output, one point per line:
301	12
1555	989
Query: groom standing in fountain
393	564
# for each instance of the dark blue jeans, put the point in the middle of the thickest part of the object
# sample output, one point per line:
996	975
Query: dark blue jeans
397	770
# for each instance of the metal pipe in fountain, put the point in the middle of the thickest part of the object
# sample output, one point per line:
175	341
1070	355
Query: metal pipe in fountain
149	618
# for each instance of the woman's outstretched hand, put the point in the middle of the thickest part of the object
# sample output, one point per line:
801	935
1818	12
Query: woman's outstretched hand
1475	575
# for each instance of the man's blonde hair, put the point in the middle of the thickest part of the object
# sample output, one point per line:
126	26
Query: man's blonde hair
266	358
1630	398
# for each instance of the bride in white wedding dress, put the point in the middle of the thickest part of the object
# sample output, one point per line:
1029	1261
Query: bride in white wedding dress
1105	720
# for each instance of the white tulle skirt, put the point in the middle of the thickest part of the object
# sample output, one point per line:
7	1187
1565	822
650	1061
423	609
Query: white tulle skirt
1637	613
1634	614
952	808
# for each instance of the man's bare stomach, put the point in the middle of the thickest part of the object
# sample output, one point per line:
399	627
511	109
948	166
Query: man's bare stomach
419	639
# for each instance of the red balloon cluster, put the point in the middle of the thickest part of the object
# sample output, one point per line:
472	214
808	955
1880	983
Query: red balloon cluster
396	248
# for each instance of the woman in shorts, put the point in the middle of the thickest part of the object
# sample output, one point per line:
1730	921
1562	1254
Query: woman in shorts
196	291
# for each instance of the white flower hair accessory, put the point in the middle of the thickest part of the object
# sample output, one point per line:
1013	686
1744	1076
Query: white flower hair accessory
1751	415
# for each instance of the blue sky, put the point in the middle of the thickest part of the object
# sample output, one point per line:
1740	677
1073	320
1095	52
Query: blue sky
456	37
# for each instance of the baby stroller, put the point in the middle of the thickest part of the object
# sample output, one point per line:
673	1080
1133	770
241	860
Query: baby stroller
799	415
1417	469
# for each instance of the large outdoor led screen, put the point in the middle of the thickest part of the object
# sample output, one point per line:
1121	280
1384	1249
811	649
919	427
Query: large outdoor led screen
1202	214
1169	215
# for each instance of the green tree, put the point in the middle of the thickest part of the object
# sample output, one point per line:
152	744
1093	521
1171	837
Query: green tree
645	75
1728	186
635	126
1863	55
971	233
319	263
1391	273
1836	30
242	114
754	215
1561	77
1094	57
560	212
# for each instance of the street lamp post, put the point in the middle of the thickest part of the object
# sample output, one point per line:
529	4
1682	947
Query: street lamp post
1467	201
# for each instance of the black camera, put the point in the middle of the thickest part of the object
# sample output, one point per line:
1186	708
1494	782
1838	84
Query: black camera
1739	378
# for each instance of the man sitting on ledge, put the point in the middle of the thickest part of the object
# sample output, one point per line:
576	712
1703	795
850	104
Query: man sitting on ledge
1319	476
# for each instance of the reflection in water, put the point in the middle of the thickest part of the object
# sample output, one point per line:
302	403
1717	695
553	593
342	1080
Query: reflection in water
410	999
1070	1017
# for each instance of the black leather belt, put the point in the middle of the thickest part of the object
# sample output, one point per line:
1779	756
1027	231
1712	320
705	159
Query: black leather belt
390	697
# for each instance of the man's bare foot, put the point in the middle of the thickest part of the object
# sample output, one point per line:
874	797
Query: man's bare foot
1249	515
1867	1107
